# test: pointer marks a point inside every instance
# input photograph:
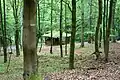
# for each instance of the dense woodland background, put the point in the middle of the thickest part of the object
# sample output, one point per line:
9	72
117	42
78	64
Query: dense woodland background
93	27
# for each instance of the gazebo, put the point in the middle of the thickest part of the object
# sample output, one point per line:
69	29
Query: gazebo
56	38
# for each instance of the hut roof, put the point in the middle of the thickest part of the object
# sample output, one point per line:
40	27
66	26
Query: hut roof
56	34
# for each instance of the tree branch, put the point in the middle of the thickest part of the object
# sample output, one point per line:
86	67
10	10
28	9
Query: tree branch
68	5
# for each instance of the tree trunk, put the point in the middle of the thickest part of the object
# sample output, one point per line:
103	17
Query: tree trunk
73	32
4	39
90	35
66	29
104	24
82	27
99	21
17	38
15	7
51	27
39	29
29	39
108	30
1	25
61	29
100	38
113	25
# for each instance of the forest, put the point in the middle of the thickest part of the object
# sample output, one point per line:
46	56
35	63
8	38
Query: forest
59	40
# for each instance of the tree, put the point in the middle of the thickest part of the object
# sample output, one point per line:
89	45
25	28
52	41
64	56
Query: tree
100	38
61	28
113	24
4	33
39	30
1	25
108	30
66	29
82	27
51	26
99	22
90	17
16	6
29	39
104	23
73	31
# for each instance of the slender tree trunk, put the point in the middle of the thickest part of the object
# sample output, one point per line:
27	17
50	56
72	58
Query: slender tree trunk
4	39
104	24
66	29
108	30
99	21
39	30
100	41
113	25
17	38
90	35
29	39
17	29
82	27
1	25
61	29
51	27
38	34
73	32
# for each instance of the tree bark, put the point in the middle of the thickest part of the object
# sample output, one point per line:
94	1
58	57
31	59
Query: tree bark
4	39
29	39
108	30
66	29
90	35
113	25
99	21
61	29
1	25
73	32
51	27
17	38
100	41
82	27
104	24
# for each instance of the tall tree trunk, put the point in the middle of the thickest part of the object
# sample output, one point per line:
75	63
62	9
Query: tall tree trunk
39	29
51	27
113	24
29	39
73	32
90	35
1	25
104	24
66	29
17	29
108	30
4	39
82	27
15	5
99	21
17	38
61	29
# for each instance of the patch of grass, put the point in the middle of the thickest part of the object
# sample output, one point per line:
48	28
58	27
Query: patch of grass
51	63
2	68
36	77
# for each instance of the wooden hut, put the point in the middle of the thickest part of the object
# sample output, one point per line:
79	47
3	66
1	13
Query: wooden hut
56	38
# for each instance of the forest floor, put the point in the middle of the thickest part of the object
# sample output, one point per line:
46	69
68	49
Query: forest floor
53	67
